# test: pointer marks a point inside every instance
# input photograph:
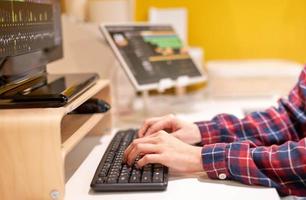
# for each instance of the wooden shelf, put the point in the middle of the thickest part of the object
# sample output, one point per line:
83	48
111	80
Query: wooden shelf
76	128
34	144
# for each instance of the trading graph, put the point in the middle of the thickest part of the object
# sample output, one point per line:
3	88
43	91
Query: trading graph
25	26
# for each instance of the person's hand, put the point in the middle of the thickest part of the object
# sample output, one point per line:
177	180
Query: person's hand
185	131
165	149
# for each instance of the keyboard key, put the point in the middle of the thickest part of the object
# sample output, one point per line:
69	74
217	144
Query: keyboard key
136	172
111	180
102	174
158	169
147	167
157	166
146	177
123	179
106	166
99	180
135	178
157	177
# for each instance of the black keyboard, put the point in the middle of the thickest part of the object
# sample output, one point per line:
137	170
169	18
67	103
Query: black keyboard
113	175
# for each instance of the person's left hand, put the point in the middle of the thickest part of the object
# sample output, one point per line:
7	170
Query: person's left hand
165	149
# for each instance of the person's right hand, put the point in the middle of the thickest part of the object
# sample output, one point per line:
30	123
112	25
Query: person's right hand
185	131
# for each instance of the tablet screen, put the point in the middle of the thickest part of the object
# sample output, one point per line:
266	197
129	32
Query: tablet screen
152	52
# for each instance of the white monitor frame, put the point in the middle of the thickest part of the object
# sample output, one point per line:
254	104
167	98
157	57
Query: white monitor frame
160	86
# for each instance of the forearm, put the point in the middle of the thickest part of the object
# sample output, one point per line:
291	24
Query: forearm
273	126
282	167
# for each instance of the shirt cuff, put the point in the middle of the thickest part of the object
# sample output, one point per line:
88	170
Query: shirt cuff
214	161
209	132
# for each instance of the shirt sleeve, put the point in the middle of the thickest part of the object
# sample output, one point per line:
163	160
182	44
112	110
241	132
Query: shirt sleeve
280	166
264	148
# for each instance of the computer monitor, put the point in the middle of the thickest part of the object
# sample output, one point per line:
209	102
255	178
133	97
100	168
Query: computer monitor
30	37
152	55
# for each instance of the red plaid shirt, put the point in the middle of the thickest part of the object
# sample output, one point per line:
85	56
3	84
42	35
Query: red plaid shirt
264	148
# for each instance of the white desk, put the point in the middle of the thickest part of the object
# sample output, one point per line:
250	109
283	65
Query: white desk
195	186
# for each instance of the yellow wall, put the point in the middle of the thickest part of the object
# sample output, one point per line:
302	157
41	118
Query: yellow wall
239	29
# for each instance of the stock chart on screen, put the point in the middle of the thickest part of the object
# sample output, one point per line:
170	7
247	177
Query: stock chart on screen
26	26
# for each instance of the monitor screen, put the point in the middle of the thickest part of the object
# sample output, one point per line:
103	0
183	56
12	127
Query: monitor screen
30	37
151	53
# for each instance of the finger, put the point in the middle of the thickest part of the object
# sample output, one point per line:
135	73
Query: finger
149	159
152	139
147	123
141	149
160	125
153	135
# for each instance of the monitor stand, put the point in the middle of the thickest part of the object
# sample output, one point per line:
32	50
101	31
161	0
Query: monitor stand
47	90
180	90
